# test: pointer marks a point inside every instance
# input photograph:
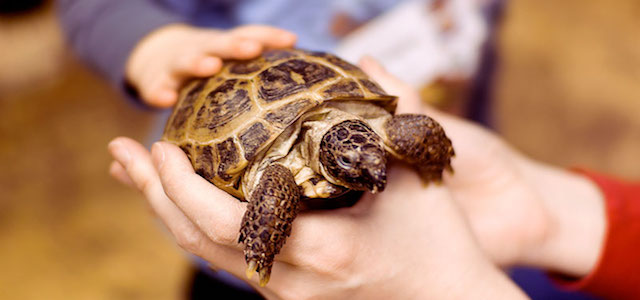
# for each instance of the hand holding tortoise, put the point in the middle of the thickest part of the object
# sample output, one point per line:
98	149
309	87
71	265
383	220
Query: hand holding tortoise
162	61
408	242
336	253
294	125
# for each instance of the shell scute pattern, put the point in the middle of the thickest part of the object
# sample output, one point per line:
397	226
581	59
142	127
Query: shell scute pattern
285	115
372	87
253	138
225	103
272	56
228	158
226	121
346	88
291	77
245	67
205	161
184	111
334	60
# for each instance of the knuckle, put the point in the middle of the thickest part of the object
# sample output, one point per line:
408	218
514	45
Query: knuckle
172	184
143	182
339	256
337	253
222	236
146	187
186	61
171	188
230	39
189	240
222	233
243	45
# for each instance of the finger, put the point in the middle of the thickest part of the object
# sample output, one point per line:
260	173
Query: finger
268	36
137	164
219	215
199	65
163	98
135	159
140	169
216	213
409	100
389	82
229	46
374	69
118	172
159	90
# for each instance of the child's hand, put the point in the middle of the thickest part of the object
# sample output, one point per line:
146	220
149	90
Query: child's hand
165	58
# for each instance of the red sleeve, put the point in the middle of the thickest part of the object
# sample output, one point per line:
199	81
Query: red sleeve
617	273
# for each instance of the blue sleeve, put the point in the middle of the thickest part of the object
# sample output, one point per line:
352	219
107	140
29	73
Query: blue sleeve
104	32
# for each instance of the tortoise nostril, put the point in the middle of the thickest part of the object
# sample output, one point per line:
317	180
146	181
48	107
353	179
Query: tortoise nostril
376	180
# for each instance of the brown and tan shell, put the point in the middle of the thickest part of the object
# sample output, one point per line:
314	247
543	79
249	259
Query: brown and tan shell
225	121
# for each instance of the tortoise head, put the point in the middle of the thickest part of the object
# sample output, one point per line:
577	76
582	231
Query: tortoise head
353	154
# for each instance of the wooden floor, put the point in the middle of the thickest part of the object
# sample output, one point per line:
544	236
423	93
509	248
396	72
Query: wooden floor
568	93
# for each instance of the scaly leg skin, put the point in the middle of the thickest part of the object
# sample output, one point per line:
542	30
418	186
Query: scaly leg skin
267	222
420	141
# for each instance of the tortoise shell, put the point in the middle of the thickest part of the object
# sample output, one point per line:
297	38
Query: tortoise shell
225	122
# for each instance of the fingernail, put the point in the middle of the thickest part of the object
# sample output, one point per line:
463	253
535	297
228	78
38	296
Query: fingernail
119	152
157	152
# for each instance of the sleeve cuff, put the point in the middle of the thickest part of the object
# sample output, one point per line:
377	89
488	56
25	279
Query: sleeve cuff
105	32
617	273
134	24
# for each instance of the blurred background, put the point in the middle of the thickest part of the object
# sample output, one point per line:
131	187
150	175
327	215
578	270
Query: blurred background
567	92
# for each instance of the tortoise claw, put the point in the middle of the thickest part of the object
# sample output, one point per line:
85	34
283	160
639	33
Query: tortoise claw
251	268
264	277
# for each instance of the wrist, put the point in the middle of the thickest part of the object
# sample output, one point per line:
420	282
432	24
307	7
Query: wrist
576	221
470	279
487	281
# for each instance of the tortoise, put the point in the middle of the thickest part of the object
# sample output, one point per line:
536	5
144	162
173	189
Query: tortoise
291	126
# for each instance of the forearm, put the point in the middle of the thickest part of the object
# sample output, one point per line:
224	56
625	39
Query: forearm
477	278
576	222
104	32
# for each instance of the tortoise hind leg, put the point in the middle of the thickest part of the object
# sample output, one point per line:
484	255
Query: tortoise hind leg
420	141
267	222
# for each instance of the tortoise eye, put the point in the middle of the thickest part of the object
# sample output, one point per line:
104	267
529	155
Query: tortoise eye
344	161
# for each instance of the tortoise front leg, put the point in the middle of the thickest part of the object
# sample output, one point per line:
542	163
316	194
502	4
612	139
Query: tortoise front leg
267	222
420	141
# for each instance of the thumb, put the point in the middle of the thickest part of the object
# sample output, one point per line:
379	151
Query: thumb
409	100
